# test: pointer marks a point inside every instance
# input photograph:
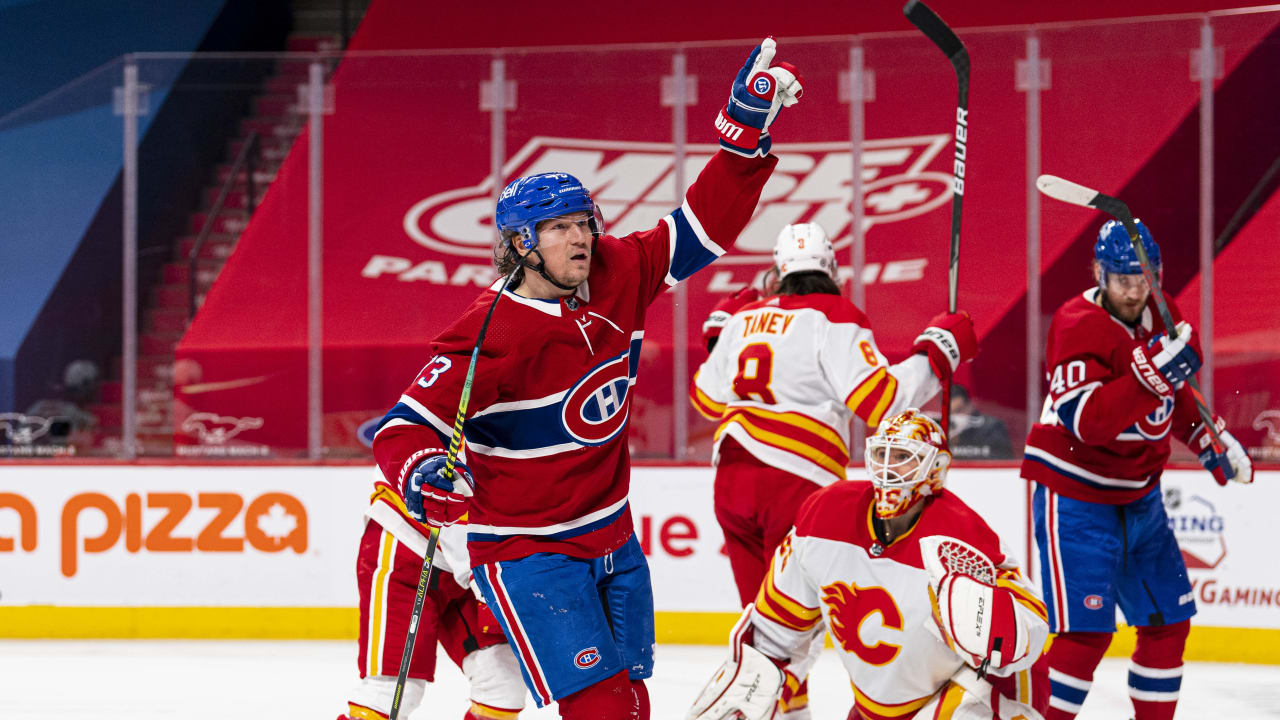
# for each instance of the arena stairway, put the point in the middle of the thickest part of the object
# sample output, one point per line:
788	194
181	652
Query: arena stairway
165	307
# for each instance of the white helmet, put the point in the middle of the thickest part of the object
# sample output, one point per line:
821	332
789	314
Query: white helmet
804	247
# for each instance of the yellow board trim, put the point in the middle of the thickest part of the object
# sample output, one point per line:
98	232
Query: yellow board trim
1205	644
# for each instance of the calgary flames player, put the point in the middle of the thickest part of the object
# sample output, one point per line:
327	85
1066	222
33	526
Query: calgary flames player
930	616
785	379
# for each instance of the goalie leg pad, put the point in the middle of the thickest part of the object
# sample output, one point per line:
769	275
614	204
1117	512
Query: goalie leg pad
747	689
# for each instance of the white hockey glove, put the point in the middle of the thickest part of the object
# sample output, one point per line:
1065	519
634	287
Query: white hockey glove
975	618
757	94
746	687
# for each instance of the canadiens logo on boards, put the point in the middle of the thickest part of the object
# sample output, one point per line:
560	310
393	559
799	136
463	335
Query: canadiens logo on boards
596	408
632	184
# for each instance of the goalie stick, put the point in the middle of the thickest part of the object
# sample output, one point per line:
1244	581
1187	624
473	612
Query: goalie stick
937	31
1076	194
450	462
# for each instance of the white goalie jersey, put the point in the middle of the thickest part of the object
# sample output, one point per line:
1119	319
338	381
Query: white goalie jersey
876	604
789	372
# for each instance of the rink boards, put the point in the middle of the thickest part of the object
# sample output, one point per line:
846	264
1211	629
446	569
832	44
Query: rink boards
268	551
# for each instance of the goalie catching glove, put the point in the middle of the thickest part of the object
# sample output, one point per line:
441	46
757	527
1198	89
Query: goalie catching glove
758	93
746	687
432	497
976	617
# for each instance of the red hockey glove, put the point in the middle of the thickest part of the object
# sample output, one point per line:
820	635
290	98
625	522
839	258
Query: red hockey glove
758	93
1233	464
1165	364
948	341
725	309
433	498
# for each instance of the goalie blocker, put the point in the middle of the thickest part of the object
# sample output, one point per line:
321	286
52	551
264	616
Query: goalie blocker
929	615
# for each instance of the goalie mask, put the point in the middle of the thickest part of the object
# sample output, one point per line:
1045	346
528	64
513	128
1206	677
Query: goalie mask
803	247
907	458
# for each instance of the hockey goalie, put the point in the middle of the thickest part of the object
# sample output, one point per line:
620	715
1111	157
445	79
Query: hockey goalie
931	618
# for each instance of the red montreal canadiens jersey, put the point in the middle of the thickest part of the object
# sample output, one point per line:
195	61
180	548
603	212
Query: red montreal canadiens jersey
1102	436
546	432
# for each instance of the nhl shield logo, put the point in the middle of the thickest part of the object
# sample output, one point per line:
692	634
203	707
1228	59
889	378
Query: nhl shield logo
595	410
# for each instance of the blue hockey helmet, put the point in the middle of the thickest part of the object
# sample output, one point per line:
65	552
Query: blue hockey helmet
1115	253
529	200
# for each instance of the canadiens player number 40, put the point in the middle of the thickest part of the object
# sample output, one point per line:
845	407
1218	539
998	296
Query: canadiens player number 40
1076	194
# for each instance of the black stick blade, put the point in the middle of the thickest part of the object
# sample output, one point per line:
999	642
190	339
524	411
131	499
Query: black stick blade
935	29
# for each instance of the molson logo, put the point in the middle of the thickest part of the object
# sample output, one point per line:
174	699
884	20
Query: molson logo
632	184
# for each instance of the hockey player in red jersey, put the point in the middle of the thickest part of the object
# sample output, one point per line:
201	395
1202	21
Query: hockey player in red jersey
784	381
1117	394
547	467
929	615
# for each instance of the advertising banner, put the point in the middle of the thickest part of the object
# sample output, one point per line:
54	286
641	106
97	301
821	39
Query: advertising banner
286	536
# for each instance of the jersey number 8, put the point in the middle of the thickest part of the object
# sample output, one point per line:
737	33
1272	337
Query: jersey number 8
755	371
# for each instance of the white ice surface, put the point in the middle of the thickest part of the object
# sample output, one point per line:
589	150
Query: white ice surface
226	680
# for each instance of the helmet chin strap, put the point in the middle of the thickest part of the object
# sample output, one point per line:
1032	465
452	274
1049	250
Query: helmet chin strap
541	269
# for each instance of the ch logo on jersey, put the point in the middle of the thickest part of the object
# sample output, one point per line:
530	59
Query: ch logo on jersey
595	410
586	658
631	183
1156	425
849	607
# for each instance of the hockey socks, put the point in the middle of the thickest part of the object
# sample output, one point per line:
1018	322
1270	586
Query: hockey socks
614	698
1073	657
1155	674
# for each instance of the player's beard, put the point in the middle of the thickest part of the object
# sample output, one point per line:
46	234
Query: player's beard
1126	312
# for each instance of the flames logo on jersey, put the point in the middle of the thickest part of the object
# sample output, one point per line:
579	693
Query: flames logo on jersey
632	182
595	410
849	606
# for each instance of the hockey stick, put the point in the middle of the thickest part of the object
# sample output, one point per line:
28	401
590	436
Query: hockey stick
1069	192
450	462
937	31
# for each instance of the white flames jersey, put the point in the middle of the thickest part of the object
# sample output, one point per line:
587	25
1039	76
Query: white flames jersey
788	374
876	606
